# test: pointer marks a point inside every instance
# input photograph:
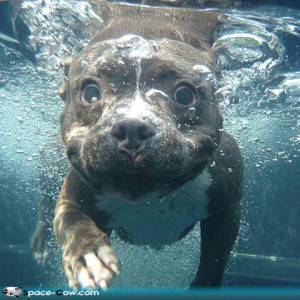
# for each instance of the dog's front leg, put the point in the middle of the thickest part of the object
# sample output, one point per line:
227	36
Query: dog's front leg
218	233
88	258
43	231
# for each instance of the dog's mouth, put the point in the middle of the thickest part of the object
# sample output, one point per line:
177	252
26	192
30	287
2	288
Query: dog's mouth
131	183
160	164
132	187
126	177
134	156
143	187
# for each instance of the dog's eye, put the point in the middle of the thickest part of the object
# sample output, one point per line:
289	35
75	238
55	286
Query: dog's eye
91	93
185	95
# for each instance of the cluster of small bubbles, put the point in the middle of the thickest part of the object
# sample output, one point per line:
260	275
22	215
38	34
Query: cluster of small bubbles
50	38
227	95
275	95
179	262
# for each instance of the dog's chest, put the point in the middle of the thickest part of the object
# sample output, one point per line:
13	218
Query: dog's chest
158	221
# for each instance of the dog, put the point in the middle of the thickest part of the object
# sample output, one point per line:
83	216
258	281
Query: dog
148	154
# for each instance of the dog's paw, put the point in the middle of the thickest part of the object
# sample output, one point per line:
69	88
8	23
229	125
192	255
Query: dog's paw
92	270
39	243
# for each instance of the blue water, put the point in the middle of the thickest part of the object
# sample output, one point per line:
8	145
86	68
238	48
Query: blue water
259	94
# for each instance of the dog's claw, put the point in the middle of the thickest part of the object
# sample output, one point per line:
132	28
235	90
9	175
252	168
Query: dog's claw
92	270
103	285
38	257
41	257
45	257
115	268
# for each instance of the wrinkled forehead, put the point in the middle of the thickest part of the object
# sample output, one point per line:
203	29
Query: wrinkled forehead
130	52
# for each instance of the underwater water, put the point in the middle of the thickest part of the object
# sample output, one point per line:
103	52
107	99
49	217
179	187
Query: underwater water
257	51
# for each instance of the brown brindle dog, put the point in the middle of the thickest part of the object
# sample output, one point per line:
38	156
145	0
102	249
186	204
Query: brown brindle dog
148	155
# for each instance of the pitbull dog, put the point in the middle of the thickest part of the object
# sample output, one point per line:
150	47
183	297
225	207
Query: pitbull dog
143	134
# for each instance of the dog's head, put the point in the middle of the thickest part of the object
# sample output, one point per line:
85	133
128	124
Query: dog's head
140	114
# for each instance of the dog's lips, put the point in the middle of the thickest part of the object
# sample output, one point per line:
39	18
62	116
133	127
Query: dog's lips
158	166
132	185
132	178
134	156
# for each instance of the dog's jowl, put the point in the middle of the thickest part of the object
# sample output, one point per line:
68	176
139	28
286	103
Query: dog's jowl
143	134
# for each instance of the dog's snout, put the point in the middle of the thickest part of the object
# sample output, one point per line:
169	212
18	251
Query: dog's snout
130	133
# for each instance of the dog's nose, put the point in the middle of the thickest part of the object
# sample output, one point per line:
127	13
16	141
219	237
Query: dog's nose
131	133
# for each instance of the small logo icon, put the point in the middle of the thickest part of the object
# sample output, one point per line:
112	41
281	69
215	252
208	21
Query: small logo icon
12	291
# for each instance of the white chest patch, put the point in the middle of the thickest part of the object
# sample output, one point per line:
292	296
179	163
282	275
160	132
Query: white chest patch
155	221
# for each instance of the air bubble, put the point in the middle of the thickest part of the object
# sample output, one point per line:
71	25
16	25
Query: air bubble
191	113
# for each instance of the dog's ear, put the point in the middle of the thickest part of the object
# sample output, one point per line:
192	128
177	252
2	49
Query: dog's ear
191	26
63	89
